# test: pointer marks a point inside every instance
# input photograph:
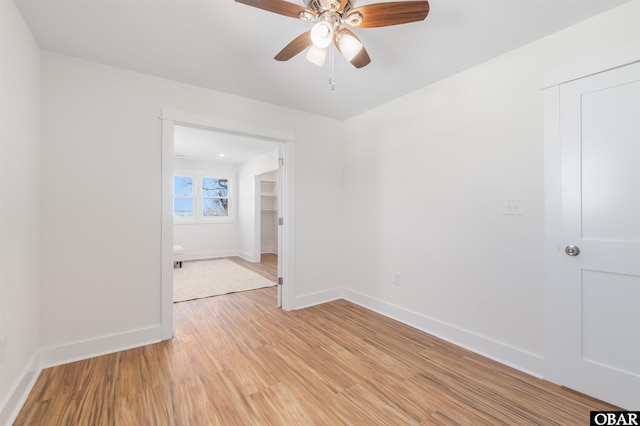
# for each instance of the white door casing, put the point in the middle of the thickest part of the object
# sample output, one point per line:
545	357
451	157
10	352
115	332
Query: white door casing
593	202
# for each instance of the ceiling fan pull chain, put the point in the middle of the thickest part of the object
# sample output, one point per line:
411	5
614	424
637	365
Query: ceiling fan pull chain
332	81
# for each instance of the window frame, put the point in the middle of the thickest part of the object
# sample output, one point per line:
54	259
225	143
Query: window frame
198	197
192	197
204	197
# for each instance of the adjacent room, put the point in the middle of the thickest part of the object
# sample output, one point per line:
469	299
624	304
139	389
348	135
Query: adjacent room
445	190
225	213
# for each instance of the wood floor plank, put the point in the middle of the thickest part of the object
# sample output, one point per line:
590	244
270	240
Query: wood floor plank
238	360
267	267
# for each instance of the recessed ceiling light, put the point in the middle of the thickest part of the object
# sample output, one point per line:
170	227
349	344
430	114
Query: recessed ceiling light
220	155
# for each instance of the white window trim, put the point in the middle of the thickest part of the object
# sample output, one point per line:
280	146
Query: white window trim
197	217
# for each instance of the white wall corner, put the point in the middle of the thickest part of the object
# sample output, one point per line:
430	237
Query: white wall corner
11	406
505	354
248	256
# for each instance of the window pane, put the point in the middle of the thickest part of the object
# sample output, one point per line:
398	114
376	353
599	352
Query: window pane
183	186
183	207
212	187
215	207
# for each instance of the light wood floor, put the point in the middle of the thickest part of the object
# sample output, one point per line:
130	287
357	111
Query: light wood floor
238	360
267	267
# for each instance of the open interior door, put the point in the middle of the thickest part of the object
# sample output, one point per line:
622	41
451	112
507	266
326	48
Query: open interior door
281	194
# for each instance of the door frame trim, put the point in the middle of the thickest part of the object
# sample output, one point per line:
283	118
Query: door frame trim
552	230
592	65
286	138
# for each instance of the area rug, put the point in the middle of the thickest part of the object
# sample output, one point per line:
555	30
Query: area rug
200	279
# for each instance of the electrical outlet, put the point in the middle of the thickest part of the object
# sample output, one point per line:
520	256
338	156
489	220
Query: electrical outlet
3	348
397	279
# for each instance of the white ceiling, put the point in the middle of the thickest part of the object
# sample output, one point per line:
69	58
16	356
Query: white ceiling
193	143
229	47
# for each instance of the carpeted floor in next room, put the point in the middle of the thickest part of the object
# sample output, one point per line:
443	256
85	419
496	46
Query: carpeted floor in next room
213	277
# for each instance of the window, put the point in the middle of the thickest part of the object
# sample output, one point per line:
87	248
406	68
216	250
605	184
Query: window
215	197
201	198
183	196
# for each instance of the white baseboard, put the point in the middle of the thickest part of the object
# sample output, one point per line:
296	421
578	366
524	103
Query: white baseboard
198	255
12	405
529	363
76	351
317	298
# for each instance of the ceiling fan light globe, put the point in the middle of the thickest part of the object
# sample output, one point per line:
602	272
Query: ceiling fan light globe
321	34
349	46
316	55
305	16
354	19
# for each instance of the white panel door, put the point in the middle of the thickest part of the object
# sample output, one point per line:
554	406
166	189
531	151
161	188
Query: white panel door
600	173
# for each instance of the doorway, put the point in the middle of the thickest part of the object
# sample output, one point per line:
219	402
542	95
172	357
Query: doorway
286	159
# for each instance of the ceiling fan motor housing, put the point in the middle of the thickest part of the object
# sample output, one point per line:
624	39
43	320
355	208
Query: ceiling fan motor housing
319	6
329	12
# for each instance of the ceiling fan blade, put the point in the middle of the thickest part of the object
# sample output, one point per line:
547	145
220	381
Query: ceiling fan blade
296	46
392	13
362	58
281	7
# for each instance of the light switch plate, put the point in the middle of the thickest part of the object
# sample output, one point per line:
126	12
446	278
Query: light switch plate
512	206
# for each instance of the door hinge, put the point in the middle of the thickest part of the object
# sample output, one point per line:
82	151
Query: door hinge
280	221
281	161
280	281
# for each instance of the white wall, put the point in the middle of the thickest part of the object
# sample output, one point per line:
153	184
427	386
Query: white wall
19	205
207	240
101	155
249	198
426	176
269	231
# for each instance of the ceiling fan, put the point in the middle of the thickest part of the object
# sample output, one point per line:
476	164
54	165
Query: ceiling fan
333	20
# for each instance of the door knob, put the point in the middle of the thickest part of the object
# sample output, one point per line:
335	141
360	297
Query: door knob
572	250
